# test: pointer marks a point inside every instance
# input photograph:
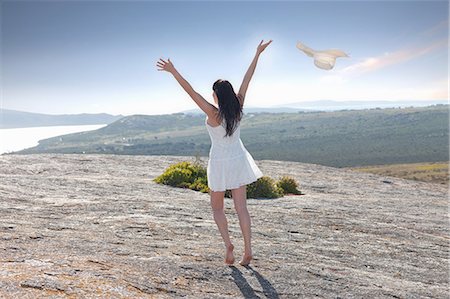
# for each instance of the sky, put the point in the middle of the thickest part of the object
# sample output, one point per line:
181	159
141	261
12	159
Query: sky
64	57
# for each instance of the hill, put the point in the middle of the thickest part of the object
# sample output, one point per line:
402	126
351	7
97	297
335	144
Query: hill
331	105
339	139
20	119
98	226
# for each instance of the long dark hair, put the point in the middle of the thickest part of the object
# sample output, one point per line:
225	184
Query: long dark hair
229	107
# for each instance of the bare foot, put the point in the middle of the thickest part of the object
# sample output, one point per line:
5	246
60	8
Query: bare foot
229	257
246	259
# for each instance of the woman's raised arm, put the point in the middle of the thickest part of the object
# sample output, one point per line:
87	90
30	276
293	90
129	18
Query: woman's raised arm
203	104
251	70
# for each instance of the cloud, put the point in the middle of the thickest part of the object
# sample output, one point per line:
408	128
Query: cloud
435	29
333	79
371	64
272	92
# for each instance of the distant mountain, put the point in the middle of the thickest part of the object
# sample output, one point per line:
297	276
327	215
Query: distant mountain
246	110
22	119
329	105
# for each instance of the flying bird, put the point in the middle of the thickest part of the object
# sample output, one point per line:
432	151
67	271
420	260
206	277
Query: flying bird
325	59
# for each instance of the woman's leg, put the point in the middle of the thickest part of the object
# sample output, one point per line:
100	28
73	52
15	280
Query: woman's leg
240	204
217	199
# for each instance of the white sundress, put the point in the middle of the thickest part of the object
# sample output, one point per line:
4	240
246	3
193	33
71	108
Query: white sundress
230	165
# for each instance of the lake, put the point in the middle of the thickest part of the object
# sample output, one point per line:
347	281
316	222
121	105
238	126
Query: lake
21	138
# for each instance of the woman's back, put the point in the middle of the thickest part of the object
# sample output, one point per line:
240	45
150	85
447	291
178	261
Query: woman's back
219	138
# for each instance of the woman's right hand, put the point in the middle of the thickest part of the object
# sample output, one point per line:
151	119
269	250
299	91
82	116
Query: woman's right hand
262	46
165	65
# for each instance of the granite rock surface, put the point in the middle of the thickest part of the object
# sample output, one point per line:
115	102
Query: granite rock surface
89	226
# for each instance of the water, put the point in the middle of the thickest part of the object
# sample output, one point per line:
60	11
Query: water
21	138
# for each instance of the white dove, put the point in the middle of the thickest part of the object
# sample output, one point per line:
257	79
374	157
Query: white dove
323	59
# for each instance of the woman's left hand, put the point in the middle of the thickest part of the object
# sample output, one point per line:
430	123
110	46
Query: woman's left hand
165	65
262	46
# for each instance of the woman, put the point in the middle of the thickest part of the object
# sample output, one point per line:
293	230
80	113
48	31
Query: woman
230	165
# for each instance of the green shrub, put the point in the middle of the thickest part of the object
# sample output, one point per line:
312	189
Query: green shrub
200	184
264	187
194	176
288	185
185	175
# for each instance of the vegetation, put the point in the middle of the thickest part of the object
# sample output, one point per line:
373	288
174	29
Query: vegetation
288	185
194	176
185	175
265	187
346	138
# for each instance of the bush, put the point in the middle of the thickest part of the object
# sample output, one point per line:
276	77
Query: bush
288	185
185	175
264	187
194	176
200	184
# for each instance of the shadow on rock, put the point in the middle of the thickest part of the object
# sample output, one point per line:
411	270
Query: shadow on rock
247	290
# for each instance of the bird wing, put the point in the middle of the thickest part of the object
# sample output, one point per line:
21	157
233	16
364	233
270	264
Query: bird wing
308	51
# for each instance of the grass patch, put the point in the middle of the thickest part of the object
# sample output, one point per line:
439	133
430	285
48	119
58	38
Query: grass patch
432	172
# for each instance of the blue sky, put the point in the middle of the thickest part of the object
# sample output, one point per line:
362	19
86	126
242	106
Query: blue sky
100	56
